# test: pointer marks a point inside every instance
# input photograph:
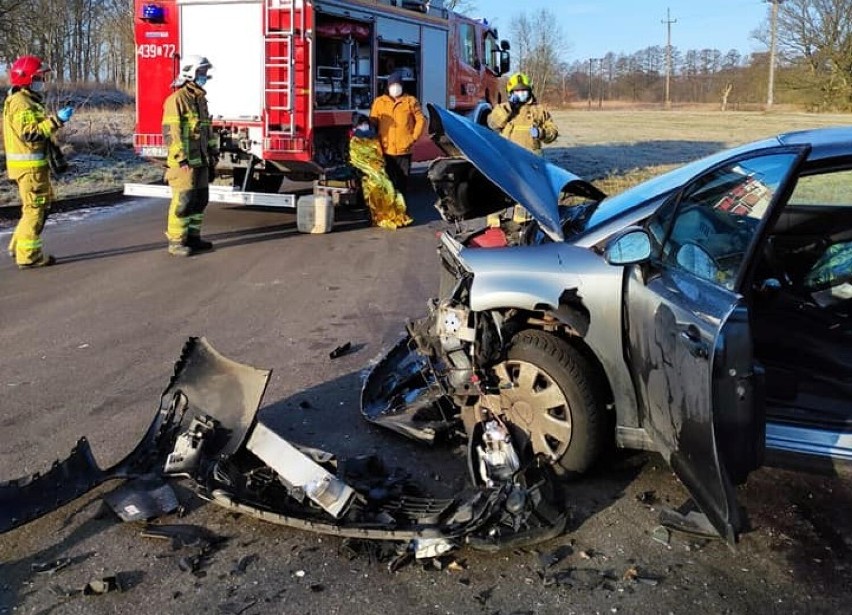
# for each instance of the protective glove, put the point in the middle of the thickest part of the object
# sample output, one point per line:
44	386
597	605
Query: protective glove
535	133
65	113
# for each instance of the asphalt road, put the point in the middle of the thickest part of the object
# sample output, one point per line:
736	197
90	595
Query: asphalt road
89	345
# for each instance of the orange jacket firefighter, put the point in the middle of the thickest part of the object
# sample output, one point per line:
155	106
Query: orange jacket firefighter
401	122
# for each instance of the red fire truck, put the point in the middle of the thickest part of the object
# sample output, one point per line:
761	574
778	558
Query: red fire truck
289	74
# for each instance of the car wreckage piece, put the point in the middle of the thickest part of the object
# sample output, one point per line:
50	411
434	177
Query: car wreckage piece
206	430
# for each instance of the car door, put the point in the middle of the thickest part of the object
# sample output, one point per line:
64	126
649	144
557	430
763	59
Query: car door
688	338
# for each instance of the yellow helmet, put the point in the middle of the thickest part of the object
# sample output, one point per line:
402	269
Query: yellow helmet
518	81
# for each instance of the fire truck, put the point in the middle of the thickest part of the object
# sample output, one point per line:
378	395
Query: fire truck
289	75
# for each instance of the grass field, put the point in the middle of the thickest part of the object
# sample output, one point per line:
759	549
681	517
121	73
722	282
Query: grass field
616	148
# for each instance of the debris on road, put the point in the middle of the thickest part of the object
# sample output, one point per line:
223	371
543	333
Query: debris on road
50	567
548	560
95	587
340	351
182	536
142	499
206	429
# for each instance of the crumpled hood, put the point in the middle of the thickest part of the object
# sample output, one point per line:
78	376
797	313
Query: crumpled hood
526	177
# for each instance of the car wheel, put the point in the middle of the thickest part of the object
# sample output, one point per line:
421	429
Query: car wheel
549	391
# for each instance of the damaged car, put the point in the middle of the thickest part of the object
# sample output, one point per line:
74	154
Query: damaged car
704	314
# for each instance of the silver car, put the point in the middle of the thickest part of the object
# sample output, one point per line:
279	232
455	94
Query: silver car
704	314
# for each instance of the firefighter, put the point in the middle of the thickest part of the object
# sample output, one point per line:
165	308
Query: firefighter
400	123
27	129
521	119
193	151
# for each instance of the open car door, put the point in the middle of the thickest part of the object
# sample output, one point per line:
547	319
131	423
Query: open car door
688	334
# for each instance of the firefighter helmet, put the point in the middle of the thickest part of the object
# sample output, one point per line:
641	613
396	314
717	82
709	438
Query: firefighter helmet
518	81
25	69
189	67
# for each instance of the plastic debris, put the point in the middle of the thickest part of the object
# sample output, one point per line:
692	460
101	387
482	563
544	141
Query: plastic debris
50	567
340	350
548	560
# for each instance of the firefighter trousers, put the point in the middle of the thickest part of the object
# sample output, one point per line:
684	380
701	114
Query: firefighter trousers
36	197
190	194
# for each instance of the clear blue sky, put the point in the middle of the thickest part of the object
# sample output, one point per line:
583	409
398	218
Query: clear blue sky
594	28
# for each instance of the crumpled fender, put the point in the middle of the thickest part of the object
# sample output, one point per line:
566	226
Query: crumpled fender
525	277
204	383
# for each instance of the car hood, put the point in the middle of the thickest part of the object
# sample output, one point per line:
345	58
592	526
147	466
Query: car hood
524	176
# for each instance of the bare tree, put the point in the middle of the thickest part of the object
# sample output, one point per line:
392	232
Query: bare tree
461	6
540	48
815	39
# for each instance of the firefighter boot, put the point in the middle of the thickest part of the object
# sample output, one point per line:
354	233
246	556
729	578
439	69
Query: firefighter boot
45	260
194	241
180	247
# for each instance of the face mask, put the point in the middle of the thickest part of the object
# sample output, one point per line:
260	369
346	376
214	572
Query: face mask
364	131
523	95
395	90
37	86
201	80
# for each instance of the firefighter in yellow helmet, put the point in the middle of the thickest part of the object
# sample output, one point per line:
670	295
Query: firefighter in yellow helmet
521	119
193	151
26	131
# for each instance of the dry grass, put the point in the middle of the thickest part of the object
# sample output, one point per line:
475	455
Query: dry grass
618	148
98	146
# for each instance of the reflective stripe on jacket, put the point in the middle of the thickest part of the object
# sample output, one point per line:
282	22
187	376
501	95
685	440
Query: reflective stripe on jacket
516	127
26	129
187	130
401	122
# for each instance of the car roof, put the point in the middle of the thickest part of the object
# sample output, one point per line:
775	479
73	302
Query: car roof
825	143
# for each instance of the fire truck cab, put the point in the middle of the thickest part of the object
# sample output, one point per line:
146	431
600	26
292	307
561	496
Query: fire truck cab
289	75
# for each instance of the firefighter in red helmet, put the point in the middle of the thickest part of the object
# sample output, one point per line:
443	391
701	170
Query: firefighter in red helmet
26	131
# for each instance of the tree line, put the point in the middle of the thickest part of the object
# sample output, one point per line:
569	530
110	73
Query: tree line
81	40
92	41
813	66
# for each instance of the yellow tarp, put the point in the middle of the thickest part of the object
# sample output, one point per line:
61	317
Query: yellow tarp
387	206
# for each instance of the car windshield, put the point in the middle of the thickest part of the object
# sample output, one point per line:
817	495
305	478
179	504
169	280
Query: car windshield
616	205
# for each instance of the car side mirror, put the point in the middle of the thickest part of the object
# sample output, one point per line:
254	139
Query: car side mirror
629	248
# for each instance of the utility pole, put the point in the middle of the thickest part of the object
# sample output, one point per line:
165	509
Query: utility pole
591	60
770	96
668	21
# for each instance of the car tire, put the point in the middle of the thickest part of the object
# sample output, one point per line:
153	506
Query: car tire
558	363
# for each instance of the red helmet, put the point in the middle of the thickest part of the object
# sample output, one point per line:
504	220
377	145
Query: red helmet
24	69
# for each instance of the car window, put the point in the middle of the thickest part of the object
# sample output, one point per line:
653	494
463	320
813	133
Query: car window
718	216
824	189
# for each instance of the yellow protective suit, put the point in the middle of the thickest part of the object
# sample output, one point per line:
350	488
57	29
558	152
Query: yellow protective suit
26	129
193	152
387	206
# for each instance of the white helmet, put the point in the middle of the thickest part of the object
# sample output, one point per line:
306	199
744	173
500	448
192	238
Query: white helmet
189	67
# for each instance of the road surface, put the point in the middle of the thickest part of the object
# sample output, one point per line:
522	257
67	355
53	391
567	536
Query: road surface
89	345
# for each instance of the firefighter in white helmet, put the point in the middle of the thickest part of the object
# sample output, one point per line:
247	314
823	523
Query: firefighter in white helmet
522	119
193	151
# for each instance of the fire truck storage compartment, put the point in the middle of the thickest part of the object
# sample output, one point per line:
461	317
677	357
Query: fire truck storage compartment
399	51
343	79
230	34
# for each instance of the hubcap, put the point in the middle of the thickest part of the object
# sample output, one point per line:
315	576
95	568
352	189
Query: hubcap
533	401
